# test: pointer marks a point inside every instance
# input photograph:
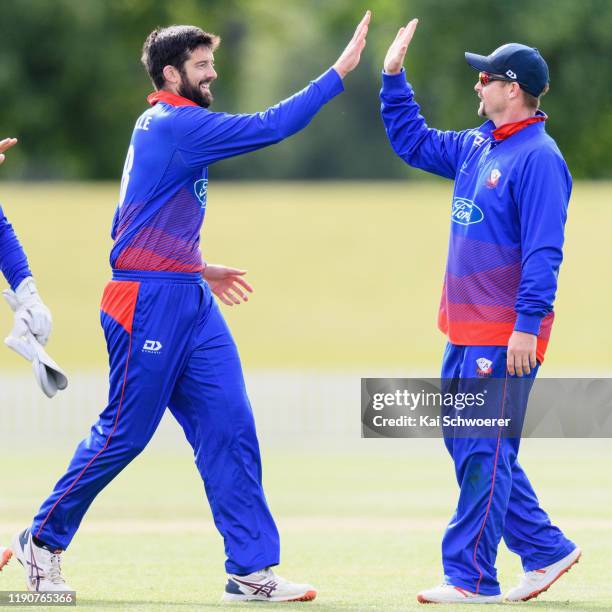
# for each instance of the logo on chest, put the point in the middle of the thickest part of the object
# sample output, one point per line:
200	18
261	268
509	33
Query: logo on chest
478	140
465	212
493	179
199	188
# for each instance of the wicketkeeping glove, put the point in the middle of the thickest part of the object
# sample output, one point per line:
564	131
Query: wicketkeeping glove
49	376
31	310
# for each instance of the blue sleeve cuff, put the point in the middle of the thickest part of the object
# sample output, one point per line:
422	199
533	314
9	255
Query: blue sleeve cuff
13	260
395	82
21	275
529	324
330	83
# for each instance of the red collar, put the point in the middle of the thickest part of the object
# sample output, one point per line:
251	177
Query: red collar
168	98
506	130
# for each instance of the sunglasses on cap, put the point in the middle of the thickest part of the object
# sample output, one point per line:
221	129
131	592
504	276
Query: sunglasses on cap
484	78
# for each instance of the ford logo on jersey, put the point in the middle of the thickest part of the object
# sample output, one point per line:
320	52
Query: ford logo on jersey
199	188
465	212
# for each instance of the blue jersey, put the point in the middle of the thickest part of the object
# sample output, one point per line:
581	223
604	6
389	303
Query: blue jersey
510	199
163	190
13	260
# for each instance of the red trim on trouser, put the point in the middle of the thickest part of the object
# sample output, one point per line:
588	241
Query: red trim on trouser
110	435
119	302
484	521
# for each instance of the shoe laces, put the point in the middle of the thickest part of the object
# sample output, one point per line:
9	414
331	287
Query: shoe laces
530	577
54	574
268	574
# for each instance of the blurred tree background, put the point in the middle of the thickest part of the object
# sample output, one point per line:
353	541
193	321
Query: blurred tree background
72	83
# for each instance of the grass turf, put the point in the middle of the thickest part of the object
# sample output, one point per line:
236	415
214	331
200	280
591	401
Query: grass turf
363	526
346	276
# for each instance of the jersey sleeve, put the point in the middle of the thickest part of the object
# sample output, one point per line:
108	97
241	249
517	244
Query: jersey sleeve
543	198
203	137
13	260
417	144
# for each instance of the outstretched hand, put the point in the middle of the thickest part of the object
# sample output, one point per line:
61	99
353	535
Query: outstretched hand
350	57
227	284
394	60
6	144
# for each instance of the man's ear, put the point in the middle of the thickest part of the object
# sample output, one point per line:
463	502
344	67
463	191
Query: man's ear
171	75
515	90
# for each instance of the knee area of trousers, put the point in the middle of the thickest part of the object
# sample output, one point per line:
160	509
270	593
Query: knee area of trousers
234	416
479	469
130	449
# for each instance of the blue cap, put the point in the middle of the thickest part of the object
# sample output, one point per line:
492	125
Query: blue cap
518	62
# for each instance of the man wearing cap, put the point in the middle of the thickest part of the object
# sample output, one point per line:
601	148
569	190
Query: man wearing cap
511	191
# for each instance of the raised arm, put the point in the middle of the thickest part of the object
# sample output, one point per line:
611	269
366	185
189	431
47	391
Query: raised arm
13	260
410	137
30	312
204	137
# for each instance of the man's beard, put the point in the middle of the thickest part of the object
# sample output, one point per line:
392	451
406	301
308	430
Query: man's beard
481	109
194	92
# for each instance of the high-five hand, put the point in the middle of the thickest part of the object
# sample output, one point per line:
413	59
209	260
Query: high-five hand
394	60
5	144
352	54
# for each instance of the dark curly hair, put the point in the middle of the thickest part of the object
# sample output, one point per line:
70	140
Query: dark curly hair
172	46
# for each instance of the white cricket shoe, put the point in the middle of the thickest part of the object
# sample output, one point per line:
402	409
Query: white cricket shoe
538	581
447	593
42	567
5	556
265	585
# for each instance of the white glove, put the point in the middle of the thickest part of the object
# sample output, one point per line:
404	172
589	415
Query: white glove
49	376
29	309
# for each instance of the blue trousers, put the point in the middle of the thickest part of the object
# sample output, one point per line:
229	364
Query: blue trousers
169	346
496	499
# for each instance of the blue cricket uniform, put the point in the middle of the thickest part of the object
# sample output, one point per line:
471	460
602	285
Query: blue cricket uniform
168	343
13	260
510	198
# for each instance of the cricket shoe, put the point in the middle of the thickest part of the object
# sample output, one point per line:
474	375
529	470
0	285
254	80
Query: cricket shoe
538	581
449	594
265	585
5	556
42	566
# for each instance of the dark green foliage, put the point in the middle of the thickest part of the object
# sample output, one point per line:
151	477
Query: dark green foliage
72	84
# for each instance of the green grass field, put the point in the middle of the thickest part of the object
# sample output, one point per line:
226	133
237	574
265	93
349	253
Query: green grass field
363	526
346	274
347	277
